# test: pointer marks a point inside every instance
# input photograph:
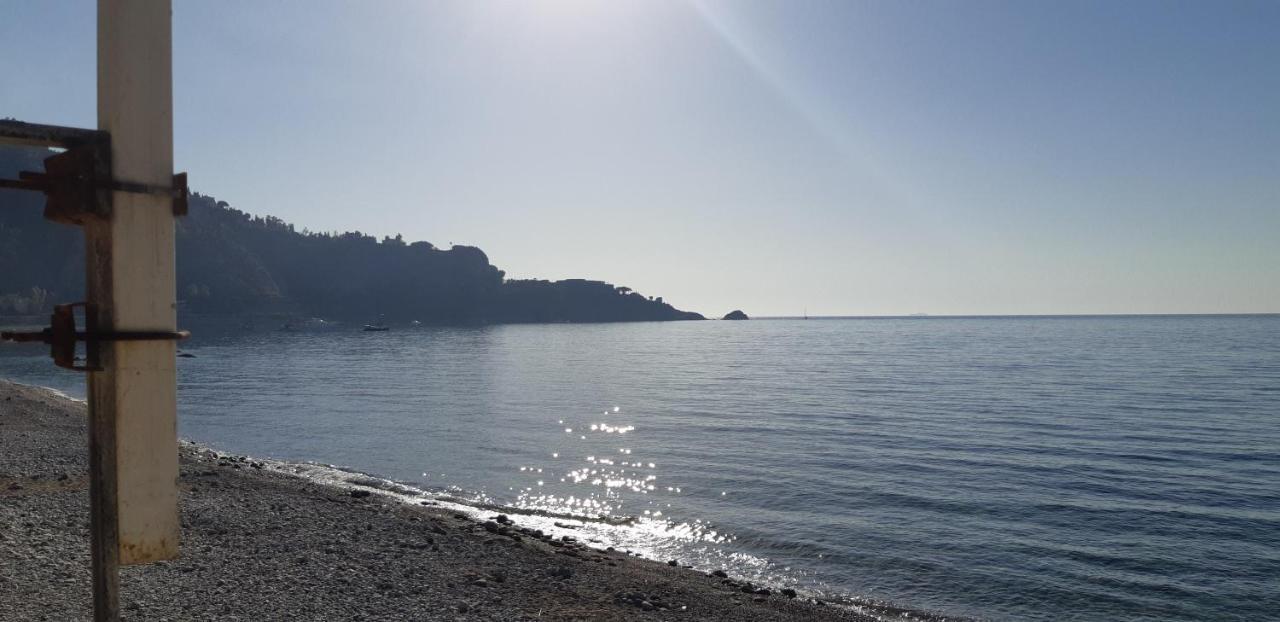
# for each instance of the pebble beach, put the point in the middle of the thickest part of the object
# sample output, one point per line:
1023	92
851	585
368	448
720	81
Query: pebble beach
260	544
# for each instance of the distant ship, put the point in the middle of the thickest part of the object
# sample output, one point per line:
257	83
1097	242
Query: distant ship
380	327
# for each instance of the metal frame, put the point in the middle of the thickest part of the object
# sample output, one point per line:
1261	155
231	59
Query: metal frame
78	182
62	336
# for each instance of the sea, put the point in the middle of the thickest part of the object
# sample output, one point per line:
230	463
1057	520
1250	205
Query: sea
994	468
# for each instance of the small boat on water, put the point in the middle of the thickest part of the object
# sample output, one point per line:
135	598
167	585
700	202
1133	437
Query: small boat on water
379	327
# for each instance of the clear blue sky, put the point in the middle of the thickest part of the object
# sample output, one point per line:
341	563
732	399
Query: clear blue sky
844	157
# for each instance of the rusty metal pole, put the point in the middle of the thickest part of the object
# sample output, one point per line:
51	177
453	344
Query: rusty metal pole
130	280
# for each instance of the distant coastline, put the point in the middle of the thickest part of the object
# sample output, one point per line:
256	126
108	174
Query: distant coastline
232	263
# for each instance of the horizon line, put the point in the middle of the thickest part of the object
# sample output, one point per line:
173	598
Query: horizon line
922	316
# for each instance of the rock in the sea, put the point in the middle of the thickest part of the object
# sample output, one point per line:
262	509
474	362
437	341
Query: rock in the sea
736	315
788	592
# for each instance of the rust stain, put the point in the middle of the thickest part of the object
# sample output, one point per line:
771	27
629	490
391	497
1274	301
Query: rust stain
134	553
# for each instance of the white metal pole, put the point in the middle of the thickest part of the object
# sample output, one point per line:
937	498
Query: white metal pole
130	260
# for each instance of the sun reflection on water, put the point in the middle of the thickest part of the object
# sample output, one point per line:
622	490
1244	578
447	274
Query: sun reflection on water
602	482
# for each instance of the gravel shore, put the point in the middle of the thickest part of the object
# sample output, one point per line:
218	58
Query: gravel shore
258	544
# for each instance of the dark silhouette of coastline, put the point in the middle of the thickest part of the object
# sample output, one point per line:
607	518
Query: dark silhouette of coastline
232	263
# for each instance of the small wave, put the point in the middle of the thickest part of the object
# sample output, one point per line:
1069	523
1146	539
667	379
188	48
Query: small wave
644	537
58	393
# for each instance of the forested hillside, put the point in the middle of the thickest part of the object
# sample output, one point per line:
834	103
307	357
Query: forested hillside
230	262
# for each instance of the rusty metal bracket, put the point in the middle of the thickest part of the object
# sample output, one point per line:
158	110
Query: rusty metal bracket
62	336
36	135
77	183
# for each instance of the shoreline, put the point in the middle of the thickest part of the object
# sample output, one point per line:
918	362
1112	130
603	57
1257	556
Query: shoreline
259	542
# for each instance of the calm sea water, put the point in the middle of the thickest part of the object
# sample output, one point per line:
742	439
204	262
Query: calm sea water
1115	468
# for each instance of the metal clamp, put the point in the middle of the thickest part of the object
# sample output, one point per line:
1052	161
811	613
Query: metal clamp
78	181
62	336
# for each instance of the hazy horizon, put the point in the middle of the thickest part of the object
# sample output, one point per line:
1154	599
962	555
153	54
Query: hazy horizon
848	159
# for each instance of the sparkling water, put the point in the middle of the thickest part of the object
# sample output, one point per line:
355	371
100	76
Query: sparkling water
1090	468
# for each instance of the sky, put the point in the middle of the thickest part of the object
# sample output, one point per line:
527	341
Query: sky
839	158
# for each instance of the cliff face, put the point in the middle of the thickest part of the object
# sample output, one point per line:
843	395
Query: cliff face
231	262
